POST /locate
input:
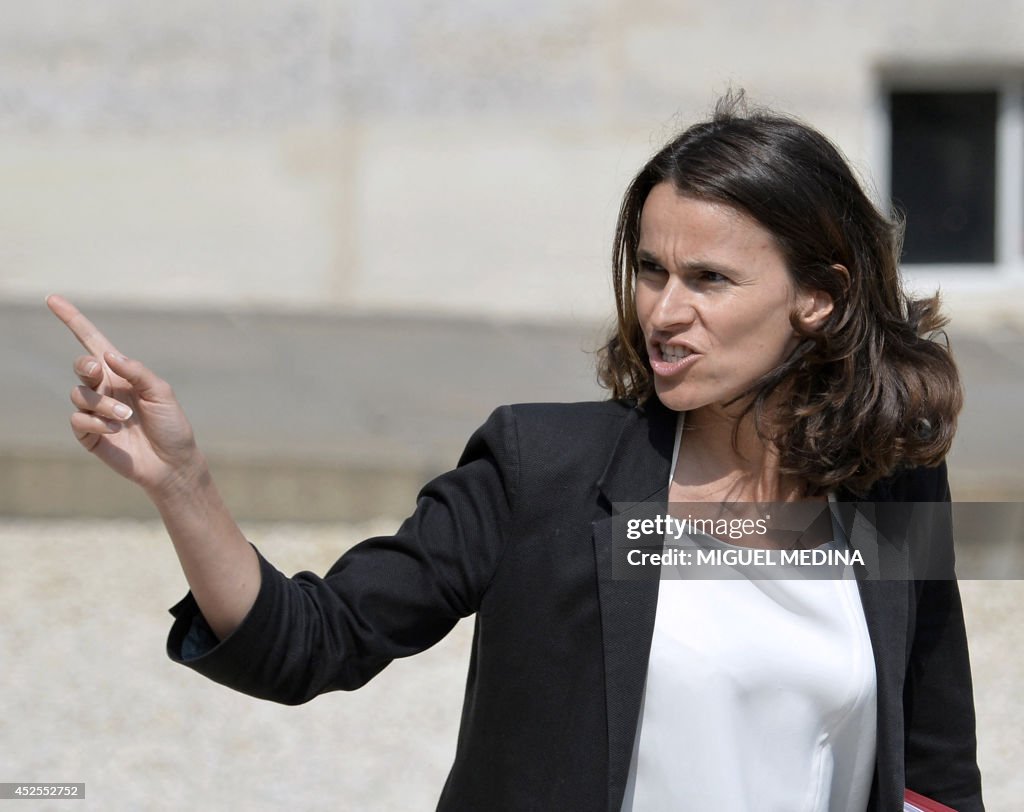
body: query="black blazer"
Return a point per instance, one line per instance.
(520, 534)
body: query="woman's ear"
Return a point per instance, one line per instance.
(816, 308)
(813, 307)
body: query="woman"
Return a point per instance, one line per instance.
(764, 352)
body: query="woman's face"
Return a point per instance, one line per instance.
(714, 298)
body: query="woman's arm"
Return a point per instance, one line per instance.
(130, 419)
(938, 699)
(388, 597)
(938, 703)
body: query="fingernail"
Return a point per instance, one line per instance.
(117, 356)
(91, 367)
(122, 411)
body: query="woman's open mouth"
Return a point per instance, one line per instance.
(669, 359)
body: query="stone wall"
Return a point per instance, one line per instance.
(446, 156)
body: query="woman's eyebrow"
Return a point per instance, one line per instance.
(643, 255)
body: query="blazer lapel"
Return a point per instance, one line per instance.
(637, 471)
(884, 593)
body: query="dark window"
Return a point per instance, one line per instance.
(943, 174)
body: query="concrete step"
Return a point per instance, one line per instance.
(327, 416)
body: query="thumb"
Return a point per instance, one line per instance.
(145, 383)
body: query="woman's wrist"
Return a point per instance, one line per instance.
(182, 484)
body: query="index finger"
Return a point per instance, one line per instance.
(84, 330)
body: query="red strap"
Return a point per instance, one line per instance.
(916, 802)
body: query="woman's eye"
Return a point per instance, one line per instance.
(649, 268)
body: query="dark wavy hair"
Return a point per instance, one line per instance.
(874, 388)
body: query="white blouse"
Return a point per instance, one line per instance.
(760, 695)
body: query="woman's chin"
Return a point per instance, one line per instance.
(675, 400)
(696, 407)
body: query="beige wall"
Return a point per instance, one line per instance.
(445, 157)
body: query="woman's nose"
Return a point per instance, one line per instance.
(674, 308)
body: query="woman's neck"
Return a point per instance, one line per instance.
(711, 467)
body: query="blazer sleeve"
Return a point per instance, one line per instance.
(938, 698)
(387, 597)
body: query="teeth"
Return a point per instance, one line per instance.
(674, 353)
